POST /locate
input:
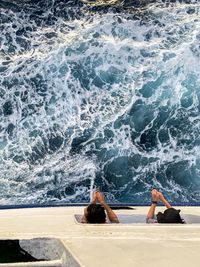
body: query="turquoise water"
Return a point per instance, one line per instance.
(99, 95)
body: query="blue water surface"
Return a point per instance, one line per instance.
(99, 94)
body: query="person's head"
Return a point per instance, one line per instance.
(170, 215)
(95, 213)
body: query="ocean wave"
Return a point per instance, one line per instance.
(104, 97)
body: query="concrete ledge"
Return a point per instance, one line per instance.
(56, 263)
(119, 245)
(51, 250)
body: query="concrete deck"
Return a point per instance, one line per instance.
(117, 245)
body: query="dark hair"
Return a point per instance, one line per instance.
(96, 214)
(170, 215)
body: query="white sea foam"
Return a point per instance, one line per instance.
(79, 78)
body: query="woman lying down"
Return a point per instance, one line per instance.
(170, 215)
(99, 211)
(96, 213)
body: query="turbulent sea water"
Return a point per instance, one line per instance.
(99, 94)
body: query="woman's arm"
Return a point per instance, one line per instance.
(151, 212)
(111, 215)
(155, 198)
(164, 200)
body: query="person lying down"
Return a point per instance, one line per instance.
(170, 215)
(99, 213)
